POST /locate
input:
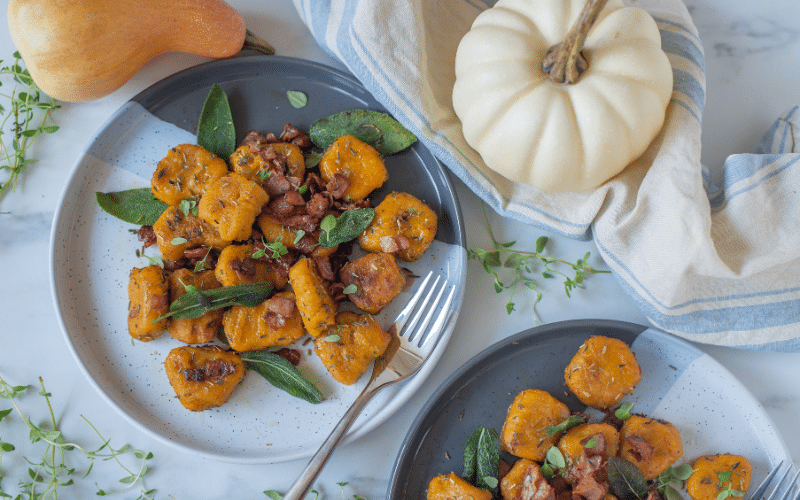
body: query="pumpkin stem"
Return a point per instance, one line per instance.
(254, 42)
(564, 62)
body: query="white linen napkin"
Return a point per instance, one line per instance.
(719, 266)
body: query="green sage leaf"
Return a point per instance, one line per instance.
(482, 458)
(136, 206)
(345, 227)
(380, 130)
(215, 129)
(282, 374)
(297, 99)
(626, 480)
(195, 304)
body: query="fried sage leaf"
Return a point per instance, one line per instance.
(625, 480)
(136, 206)
(194, 304)
(482, 458)
(282, 374)
(380, 130)
(215, 129)
(337, 230)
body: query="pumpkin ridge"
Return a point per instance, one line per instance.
(508, 103)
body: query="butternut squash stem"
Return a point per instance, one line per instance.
(254, 42)
(564, 62)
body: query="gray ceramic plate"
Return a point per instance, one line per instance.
(680, 384)
(93, 253)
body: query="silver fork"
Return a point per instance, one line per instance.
(411, 345)
(779, 491)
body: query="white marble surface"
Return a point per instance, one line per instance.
(752, 53)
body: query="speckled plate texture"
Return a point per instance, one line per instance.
(92, 254)
(680, 384)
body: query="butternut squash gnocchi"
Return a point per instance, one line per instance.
(257, 217)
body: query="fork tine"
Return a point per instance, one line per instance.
(784, 493)
(428, 308)
(438, 325)
(412, 303)
(762, 488)
(412, 325)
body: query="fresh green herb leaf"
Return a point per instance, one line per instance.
(625, 480)
(194, 305)
(337, 230)
(179, 241)
(378, 129)
(273, 495)
(351, 288)
(297, 99)
(567, 424)
(556, 458)
(724, 476)
(30, 110)
(298, 235)
(591, 443)
(278, 248)
(155, 261)
(215, 129)
(521, 264)
(624, 411)
(282, 374)
(47, 476)
(135, 206)
(333, 337)
(202, 264)
(188, 206)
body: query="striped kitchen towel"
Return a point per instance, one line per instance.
(719, 266)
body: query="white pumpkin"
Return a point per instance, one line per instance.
(560, 136)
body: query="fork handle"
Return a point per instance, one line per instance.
(303, 483)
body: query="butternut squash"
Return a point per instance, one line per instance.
(81, 50)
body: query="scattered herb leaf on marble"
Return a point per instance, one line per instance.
(59, 466)
(136, 206)
(522, 265)
(26, 119)
(282, 374)
(380, 130)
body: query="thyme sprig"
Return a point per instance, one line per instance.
(26, 119)
(53, 472)
(524, 264)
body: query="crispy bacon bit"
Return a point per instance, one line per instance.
(396, 243)
(147, 236)
(318, 205)
(641, 449)
(280, 306)
(589, 475)
(277, 184)
(274, 321)
(324, 268)
(534, 486)
(291, 355)
(213, 371)
(338, 185)
(286, 204)
(244, 267)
